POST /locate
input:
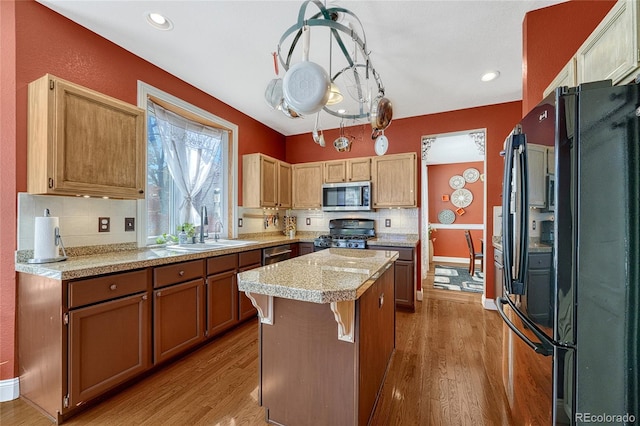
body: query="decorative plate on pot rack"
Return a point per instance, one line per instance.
(471, 175)
(446, 216)
(461, 197)
(456, 182)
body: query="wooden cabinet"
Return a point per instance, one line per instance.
(405, 272)
(81, 142)
(394, 180)
(307, 185)
(266, 182)
(609, 53)
(222, 294)
(179, 308)
(248, 260)
(351, 170)
(78, 339)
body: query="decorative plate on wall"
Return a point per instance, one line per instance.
(456, 182)
(446, 216)
(461, 197)
(471, 175)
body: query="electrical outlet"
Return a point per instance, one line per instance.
(240, 223)
(387, 223)
(104, 224)
(308, 222)
(129, 224)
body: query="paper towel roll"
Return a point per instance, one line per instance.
(44, 244)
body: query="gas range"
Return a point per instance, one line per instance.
(347, 233)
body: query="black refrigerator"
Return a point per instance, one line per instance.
(577, 316)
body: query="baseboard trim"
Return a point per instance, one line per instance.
(489, 304)
(9, 389)
(446, 259)
(419, 295)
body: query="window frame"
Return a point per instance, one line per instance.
(146, 91)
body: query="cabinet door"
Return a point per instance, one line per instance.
(394, 180)
(359, 169)
(611, 51)
(178, 318)
(284, 184)
(335, 171)
(108, 344)
(537, 156)
(82, 142)
(566, 77)
(222, 302)
(268, 182)
(305, 248)
(405, 291)
(307, 185)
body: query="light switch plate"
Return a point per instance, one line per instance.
(104, 224)
(240, 223)
(387, 223)
(308, 222)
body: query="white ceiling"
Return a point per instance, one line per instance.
(429, 54)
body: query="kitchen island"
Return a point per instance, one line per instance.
(327, 333)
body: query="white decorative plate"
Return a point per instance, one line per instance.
(461, 197)
(471, 175)
(456, 182)
(446, 216)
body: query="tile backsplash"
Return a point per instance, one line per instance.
(78, 219)
(402, 221)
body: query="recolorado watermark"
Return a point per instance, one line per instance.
(605, 418)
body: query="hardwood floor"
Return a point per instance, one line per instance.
(446, 370)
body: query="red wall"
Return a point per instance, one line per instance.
(551, 36)
(451, 242)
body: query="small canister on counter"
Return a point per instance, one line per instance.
(290, 224)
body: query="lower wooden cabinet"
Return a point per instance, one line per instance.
(305, 248)
(178, 319)
(405, 272)
(108, 344)
(247, 260)
(222, 302)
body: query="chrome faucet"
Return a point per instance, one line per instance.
(204, 220)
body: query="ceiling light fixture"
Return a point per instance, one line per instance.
(159, 21)
(355, 85)
(490, 76)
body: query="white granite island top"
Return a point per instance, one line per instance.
(332, 275)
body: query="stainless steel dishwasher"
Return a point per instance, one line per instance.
(275, 254)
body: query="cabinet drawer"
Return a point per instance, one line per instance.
(249, 258)
(224, 263)
(93, 290)
(539, 260)
(404, 253)
(177, 273)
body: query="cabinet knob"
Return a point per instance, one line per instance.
(381, 300)
(113, 287)
(140, 191)
(144, 297)
(158, 294)
(181, 273)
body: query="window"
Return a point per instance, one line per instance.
(190, 157)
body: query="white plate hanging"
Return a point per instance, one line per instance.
(446, 216)
(471, 175)
(461, 197)
(456, 182)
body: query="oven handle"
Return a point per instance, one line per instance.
(277, 254)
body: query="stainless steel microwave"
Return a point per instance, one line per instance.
(348, 196)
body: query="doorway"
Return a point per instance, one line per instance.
(453, 199)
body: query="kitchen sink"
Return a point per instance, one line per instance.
(210, 245)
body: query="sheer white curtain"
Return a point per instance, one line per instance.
(190, 151)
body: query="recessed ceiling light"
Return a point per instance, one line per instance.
(159, 21)
(489, 76)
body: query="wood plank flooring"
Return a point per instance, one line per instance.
(446, 370)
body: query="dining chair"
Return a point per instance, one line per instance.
(473, 255)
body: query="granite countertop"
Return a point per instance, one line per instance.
(104, 262)
(394, 240)
(331, 275)
(535, 246)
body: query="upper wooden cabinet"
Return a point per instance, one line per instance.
(81, 142)
(307, 185)
(266, 182)
(609, 53)
(394, 180)
(352, 170)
